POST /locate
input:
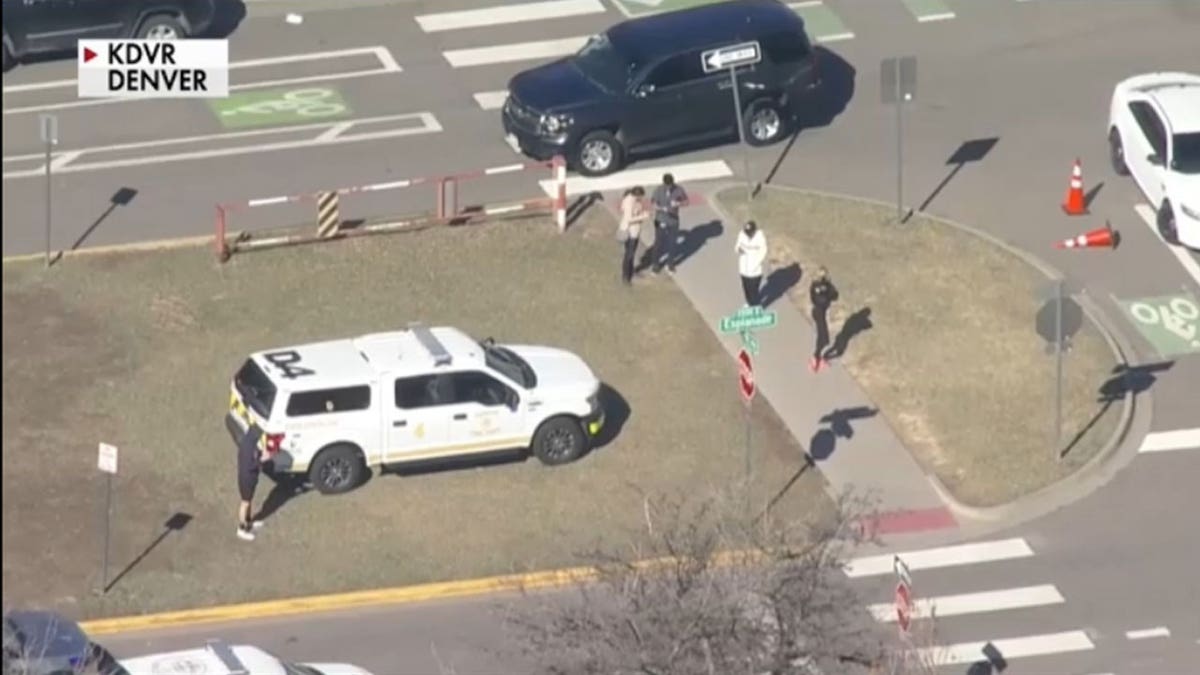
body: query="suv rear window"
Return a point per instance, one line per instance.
(256, 389)
(321, 401)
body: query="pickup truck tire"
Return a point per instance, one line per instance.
(764, 121)
(161, 27)
(1166, 223)
(560, 440)
(1116, 153)
(599, 153)
(337, 469)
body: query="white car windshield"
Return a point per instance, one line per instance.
(1187, 153)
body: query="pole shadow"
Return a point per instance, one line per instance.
(175, 523)
(855, 324)
(580, 205)
(824, 441)
(969, 152)
(120, 198)
(1124, 380)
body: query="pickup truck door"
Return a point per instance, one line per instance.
(416, 419)
(486, 414)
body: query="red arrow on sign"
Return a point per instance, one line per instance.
(88, 54)
(903, 606)
(746, 375)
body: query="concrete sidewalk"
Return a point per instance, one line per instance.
(827, 412)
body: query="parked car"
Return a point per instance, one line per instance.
(46, 643)
(330, 409)
(40, 26)
(641, 86)
(218, 658)
(1154, 136)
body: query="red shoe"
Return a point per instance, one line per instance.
(814, 364)
(822, 363)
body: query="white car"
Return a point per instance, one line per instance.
(329, 410)
(1154, 135)
(218, 658)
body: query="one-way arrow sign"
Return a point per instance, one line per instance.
(744, 54)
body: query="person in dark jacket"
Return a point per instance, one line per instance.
(667, 199)
(822, 293)
(251, 453)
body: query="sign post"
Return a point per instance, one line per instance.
(1057, 321)
(898, 80)
(903, 599)
(49, 129)
(107, 463)
(734, 57)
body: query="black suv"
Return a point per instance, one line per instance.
(641, 86)
(41, 26)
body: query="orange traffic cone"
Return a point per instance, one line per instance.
(1105, 237)
(1074, 204)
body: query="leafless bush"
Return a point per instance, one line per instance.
(706, 590)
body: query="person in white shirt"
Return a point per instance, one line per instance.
(629, 230)
(752, 254)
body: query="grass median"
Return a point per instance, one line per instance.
(137, 349)
(938, 328)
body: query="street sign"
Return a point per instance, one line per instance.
(733, 56)
(903, 606)
(748, 318)
(107, 458)
(898, 79)
(749, 342)
(49, 127)
(746, 383)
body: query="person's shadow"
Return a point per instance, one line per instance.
(779, 282)
(854, 324)
(690, 240)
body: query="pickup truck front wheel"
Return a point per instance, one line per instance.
(560, 440)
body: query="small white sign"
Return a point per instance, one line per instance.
(744, 54)
(153, 68)
(902, 573)
(107, 458)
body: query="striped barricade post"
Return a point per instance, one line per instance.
(328, 220)
(559, 166)
(220, 241)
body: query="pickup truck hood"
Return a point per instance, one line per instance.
(337, 669)
(557, 86)
(558, 370)
(1183, 188)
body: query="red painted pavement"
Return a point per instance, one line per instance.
(906, 521)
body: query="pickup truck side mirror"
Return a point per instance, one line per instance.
(1155, 159)
(513, 400)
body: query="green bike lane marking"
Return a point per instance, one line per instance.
(1170, 323)
(929, 10)
(278, 107)
(822, 23)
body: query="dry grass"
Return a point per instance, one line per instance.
(137, 349)
(952, 359)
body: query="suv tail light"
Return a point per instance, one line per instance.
(274, 443)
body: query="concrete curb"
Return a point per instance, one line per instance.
(1077, 484)
(338, 601)
(156, 245)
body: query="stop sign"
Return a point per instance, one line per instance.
(746, 376)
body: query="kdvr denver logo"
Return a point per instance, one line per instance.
(153, 69)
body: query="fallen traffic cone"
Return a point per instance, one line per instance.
(1074, 204)
(1105, 237)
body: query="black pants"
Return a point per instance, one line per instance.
(630, 247)
(752, 289)
(821, 321)
(666, 234)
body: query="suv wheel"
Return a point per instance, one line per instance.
(1116, 153)
(559, 440)
(337, 469)
(764, 123)
(599, 153)
(1166, 223)
(161, 27)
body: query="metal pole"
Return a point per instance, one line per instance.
(49, 145)
(1058, 357)
(749, 464)
(107, 531)
(737, 110)
(899, 146)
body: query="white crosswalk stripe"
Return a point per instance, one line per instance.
(518, 51)
(508, 14)
(1166, 441)
(995, 618)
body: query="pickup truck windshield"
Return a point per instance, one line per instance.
(1187, 153)
(508, 363)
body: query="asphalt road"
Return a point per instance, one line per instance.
(1035, 76)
